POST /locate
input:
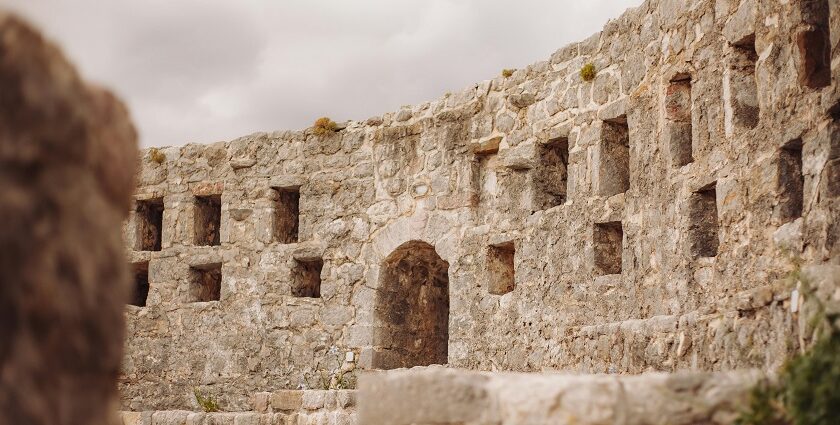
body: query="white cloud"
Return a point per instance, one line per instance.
(210, 70)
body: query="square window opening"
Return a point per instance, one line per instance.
(703, 225)
(500, 264)
(149, 215)
(208, 219)
(141, 284)
(608, 239)
(306, 278)
(552, 173)
(286, 214)
(205, 282)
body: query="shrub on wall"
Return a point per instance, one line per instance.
(157, 156)
(808, 389)
(323, 126)
(588, 72)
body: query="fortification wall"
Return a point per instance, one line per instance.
(644, 220)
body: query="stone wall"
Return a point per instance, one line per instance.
(644, 220)
(445, 396)
(286, 407)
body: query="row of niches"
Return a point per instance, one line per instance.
(613, 171)
(703, 225)
(205, 281)
(208, 217)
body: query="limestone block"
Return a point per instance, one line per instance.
(345, 398)
(247, 419)
(741, 25)
(262, 402)
(170, 417)
(288, 400)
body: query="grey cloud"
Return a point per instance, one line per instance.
(210, 70)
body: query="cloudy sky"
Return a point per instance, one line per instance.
(210, 70)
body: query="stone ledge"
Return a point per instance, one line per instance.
(304, 400)
(181, 417)
(448, 396)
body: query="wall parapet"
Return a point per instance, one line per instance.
(442, 396)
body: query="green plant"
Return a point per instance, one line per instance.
(588, 72)
(807, 391)
(765, 407)
(507, 72)
(207, 403)
(157, 156)
(812, 384)
(323, 126)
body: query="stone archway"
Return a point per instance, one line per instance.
(412, 308)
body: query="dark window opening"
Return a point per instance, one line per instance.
(608, 240)
(208, 219)
(150, 224)
(813, 41)
(552, 174)
(614, 162)
(790, 183)
(141, 285)
(306, 278)
(411, 311)
(286, 215)
(703, 226)
(501, 268)
(205, 283)
(678, 125)
(742, 84)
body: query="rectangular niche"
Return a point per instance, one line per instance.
(500, 268)
(678, 120)
(608, 239)
(485, 181)
(790, 183)
(306, 278)
(552, 174)
(208, 219)
(743, 92)
(286, 214)
(141, 284)
(149, 216)
(703, 225)
(813, 40)
(205, 282)
(614, 158)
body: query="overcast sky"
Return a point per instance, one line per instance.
(210, 70)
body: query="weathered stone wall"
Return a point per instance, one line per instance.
(648, 217)
(285, 407)
(445, 396)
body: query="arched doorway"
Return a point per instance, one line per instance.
(412, 308)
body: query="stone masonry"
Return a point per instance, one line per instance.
(646, 220)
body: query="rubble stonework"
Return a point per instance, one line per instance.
(642, 221)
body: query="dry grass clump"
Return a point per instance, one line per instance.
(157, 156)
(207, 403)
(323, 126)
(588, 72)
